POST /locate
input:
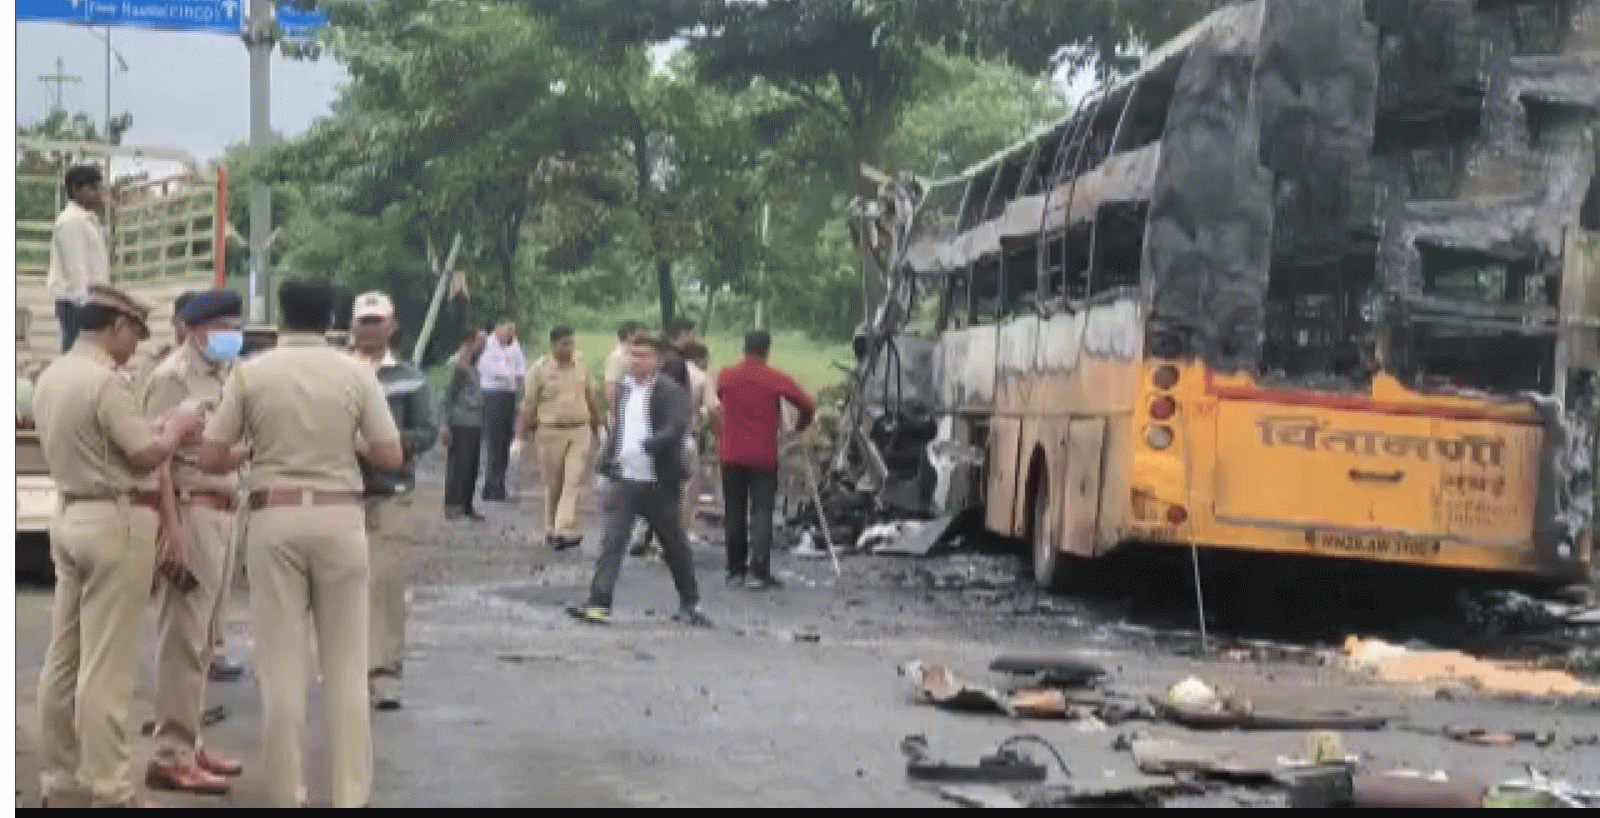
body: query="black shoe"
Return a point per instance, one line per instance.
(735, 579)
(452, 513)
(222, 670)
(495, 496)
(474, 516)
(563, 543)
(693, 616)
(763, 582)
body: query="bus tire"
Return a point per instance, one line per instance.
(1049, 564)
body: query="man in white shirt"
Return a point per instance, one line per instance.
(78, 255)
(644, 459)
(501, 369)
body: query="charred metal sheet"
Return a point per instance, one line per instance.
(1209, 234)
(1123, 177)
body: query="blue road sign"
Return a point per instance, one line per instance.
(297, 25)
(213, 16)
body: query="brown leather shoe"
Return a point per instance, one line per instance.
(184, 778)
(217, 764)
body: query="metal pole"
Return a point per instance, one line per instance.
(761, 273)
(1199, 599)
(260, 47)
(445, 274)
(107, 138)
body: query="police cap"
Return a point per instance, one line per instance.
(208, 305)
(114, 299)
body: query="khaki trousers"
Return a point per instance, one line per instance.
(103, 552)
(185, 626)
(312, 560)
(388, 521)
(563, 459)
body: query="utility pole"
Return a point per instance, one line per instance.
(108, 85)
(761, 272)
(59, 79)
(258, 39)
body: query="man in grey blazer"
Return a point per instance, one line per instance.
(643, 459)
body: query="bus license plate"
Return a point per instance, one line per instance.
(1376, 545)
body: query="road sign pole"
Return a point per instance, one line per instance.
(260, 45)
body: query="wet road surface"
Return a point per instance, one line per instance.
(792, 700)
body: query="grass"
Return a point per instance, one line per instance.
(809, 362)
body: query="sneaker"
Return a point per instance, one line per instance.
(592, 614)
(638, 549)
(693, 617)
(763, 582)
(735, 579)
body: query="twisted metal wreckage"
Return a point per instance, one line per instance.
(1312, 192)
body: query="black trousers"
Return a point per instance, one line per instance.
(67, 320)
(499, 422)
(747, 495)
(461, 466)
(659, 505)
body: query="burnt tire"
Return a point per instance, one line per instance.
(1050, 566)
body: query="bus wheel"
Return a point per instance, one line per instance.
(1049, 564)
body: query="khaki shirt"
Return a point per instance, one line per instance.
(183, 375)
(78, 254)
(559, 395)
(88, 421)
(302, 403)
(702, 395)
(616, 361)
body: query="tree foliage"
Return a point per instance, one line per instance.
(582, 176)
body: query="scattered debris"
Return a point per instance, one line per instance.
(918, 539)
(1064, 671)
(1394, 663)
(977, 795)
(1004, 765)
(941, 687)
(1488, 738)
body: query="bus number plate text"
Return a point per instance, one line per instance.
(1370, 545)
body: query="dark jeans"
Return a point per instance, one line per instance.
(67, 319)
(658, 505)
(461, 466)
(499, 422)
(747, 495)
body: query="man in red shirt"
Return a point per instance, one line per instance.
(748, 449)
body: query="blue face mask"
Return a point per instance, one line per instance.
(223, 345)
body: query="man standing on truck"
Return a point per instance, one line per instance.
(102, 452)
(388, 492)
(78, 255)
(194, 564)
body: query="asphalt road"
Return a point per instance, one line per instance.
(792, 701)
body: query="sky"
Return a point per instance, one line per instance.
(184, 90)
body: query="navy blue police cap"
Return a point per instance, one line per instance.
(208, 305)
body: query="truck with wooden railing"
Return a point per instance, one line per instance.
(165, 226)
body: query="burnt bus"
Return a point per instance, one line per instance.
(1321, 277)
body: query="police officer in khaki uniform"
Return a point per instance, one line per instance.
(102, 454)
(561, 408)
(310, 410)
(194, 566)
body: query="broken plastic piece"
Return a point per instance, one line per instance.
(1051, 670)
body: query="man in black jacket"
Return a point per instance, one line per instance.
(643, 457)
(388, 493)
